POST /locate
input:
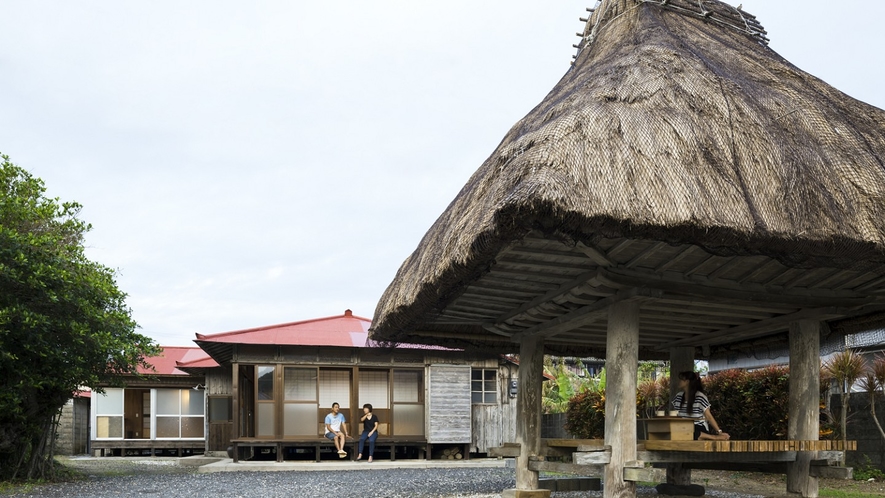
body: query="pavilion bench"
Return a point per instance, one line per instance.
(590, 455)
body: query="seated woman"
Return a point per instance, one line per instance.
(693, 403)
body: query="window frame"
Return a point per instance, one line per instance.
(484, 391)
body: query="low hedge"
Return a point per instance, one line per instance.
(747, 405)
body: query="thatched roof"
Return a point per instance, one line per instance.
(673, 127)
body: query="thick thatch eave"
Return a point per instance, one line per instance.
(668, 127)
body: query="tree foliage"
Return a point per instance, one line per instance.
(64, 324)
(751, 404)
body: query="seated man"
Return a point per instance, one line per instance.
(336, 429)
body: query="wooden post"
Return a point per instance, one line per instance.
(528, 405)
(621, 365)
(235, 400)
(681, 360)
(804, 409)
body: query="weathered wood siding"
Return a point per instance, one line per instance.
(218, 382)
(448, 410)
(494, 425)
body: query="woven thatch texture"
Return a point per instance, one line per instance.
(672, 128)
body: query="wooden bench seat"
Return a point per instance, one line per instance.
(551, 447)
(744, 446)
(320, 442)
(590, 455)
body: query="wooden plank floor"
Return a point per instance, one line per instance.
(750, 446)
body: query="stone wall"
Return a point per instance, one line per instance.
(72, 437)
(862, 428)
(553, 426)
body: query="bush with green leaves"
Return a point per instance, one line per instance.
(585, 417)
(748, 405)
(751, 405)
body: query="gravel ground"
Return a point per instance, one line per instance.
(166, 478)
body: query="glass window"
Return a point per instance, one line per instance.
(266, 419)
(406, 386)
(109, 414)
(374, 388)
(220, 409)
(180, 413)
(109, 403)
(335, 388)
(484, 385)
(408, 420)
(192, 402)
(168, 427)
(108, 427)
(191, 427)
(300, 419)
(265, 383)
(168, 402)
(300, 384)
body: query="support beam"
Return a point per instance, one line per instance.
(621, 361)
(681, 360)
(589, 314)
(761, 327)
(804, 402)
(727, 290)
(528, 406)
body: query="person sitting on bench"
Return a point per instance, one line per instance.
(693, 403)
(370, 431)
(336, 429)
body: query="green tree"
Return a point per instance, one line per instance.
(64, 324)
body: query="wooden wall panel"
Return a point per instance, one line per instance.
(449, 404)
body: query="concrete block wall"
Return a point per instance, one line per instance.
(72, 434)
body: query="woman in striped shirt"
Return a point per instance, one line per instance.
(693, 403)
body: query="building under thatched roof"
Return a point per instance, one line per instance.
(683, 191)
(678, 153)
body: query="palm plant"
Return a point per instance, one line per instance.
(873, 383)
(845, 368)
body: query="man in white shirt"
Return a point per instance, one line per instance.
(336, 429)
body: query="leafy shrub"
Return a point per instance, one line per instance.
(868, 471)
(585, 417)
(747, 405)
(751, 405)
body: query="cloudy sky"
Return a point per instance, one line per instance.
(252, 163)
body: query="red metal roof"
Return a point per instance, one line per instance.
(166, 363)
(345, 330)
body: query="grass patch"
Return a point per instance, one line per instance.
(842, 493)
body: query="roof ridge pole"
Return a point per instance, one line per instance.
(528, 419)
(804, 408)
(621, 365)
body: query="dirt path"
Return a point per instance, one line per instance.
(775, 484)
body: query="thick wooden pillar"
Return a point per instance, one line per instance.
(528, 406)
(804, 402)
(681, 360)
(621, 366)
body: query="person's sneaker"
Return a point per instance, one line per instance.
(342, 453)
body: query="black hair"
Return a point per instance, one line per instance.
(369, 406)
(695, 385)
(335, 403)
